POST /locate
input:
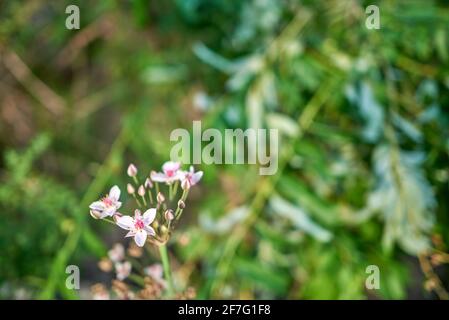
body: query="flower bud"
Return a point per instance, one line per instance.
(105, 265)
(134, 250)
(160, 198)
(164, 230)
(190, 293)
(184, 239)
(181, 204)
(169, 216)
(185, 184)
(130, 188)
(437, 259)
(95, 214)
(99, 292)
(132, 170)
(141, 191)
(430, 284)
(116, 216)
(148, 183)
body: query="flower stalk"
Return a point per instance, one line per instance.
(166, 266)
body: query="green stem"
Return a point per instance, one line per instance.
(144, 201)
(166, 266)
(175, 188)
(137, 200)
(138, 280)
(170, 192)
(150, 196)
(110, 221)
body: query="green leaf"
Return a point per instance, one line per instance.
(299, 219)
(262, 275)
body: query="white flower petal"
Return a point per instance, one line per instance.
(158, 177)
(137, 215)
(127, 266)
(125, 222)
(171, 166)
(103, 214)
(109, 212)
(197, 177)
(131, 233)
(117, 253)
(155, 271)
(117, 205)
(114, 193)
(140, 237)
(123, 270)
(148, 216)
(150, 231)
(97, 206)
(178, 176)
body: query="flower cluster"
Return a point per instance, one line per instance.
(147, 280)
(152, 222)
(156, 221)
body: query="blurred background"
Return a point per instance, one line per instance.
(363, 161)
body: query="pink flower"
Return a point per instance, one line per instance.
(170, 173)
(107, 206)
(99, 292)
(117, 253)
(190, 178)
(122, 270)
(155, 271)
(139, 226)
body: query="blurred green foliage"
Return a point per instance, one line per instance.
(363, 172)
(36, 212)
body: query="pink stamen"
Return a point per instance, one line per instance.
(139, 224)
(107, 201)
